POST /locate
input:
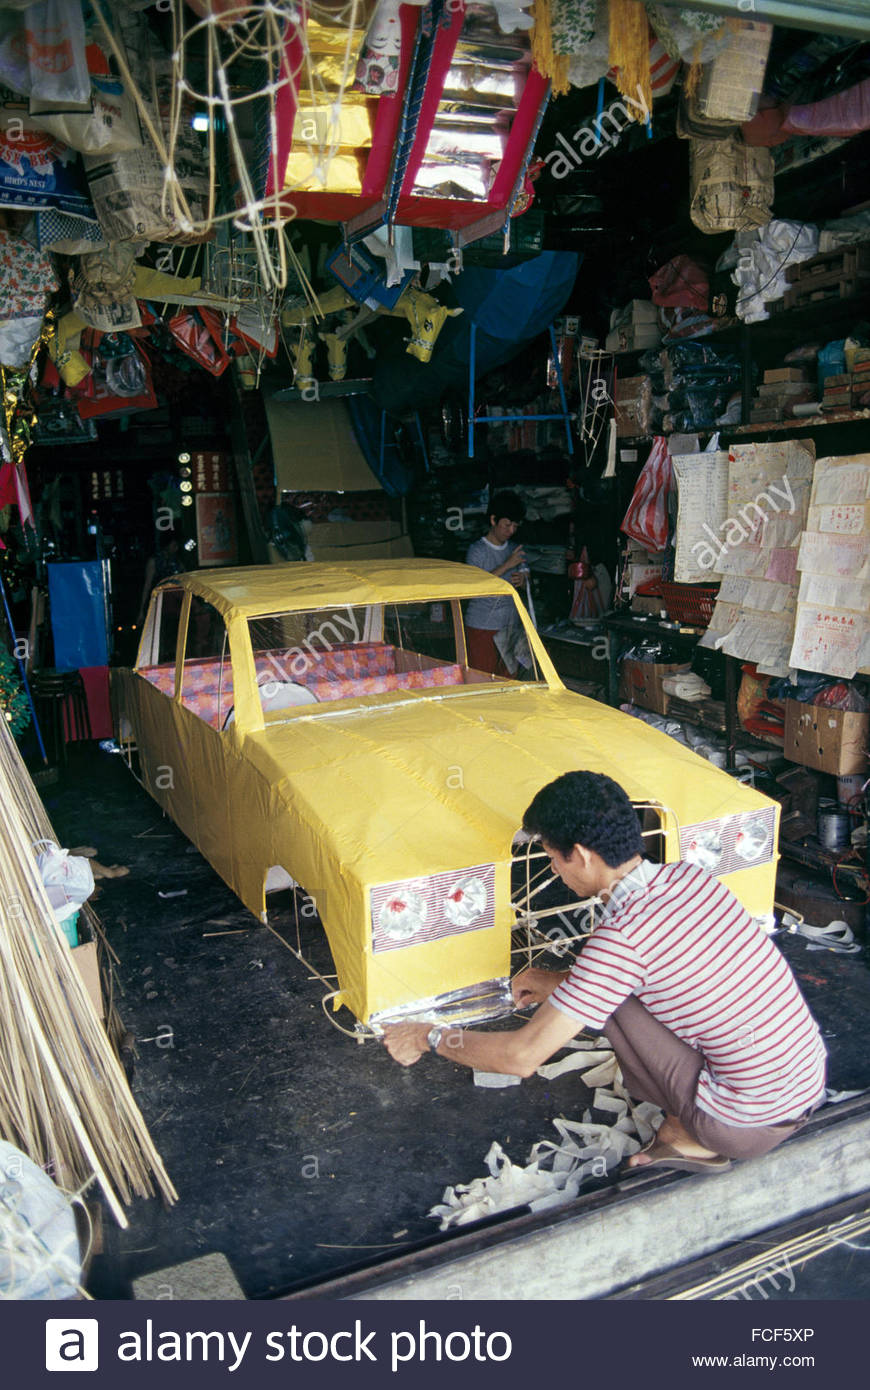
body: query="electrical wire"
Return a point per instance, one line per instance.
(744, 299)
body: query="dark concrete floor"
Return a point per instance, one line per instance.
(296, 1151)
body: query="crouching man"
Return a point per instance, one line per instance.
(702, 1011)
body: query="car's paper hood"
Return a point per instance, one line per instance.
(419, 783)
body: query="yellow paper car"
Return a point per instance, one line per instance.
(321, 721)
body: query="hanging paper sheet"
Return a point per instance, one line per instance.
(832, 631)
(702, 507)
(767, 500)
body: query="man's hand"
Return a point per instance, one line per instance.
(407, 1042)
(533, 986)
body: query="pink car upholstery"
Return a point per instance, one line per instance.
(343, 672)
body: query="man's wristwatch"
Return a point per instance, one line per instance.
(434, 1036)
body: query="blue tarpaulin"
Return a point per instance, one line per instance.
(510, 308)
(78, 594)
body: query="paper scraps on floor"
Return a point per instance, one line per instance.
(555, 1171)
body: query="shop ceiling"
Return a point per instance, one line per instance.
(838, 18)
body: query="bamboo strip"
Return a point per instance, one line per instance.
(64, 1099)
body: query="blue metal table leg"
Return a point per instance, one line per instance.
(471, 367)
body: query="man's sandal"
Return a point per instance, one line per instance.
(666, 1156)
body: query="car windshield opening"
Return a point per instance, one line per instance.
(341, 653)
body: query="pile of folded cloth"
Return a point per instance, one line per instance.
(686, 685)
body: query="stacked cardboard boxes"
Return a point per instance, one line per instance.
(633, 406)
(781, 390)
(634, 326)
(640, 683)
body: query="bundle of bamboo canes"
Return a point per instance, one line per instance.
(64, 1099)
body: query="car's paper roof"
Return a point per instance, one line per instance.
(261, 589)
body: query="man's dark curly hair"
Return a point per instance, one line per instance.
(588, 809)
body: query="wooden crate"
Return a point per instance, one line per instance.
(836, 274)
(845, 262)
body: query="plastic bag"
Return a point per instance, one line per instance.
(762, 257)
(39, 1254)
(116, 386)
(844, 114)
(42, 52)
(646, 520)
(199, 333)
(68, 879)
(682, 282)
(18, 338)
(843, 696)
(108, 125)
(39, 171)
(589, 603)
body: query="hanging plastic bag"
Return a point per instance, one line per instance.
(199, 333)
(109, 124)
(646, 520)
(42, 52)
(119, 383)
(68, 879)
(589, 603)
(682, 283)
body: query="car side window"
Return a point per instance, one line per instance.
(160, 639)
(207, 677)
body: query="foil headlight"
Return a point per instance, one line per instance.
(753, 840)
(466, 901)
(705, 849)
(403, 914)
(417, 910)
(735, 842)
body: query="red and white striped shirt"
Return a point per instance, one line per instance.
(679, 940)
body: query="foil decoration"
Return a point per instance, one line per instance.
(338, 173)
(332, 128)
(466, 901)
(480, 1003)
(474, 85)
(344, 124)
(481, 93)
(705, 849)
(403, 914)
(752, 840)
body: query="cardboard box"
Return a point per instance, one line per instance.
(647, 603)
(640, 683)
(784, 388)
(359, 540)
(629, 338)
(633, 406)
(785, 374)
(830, 740)
(637, 311)
(85, 958)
